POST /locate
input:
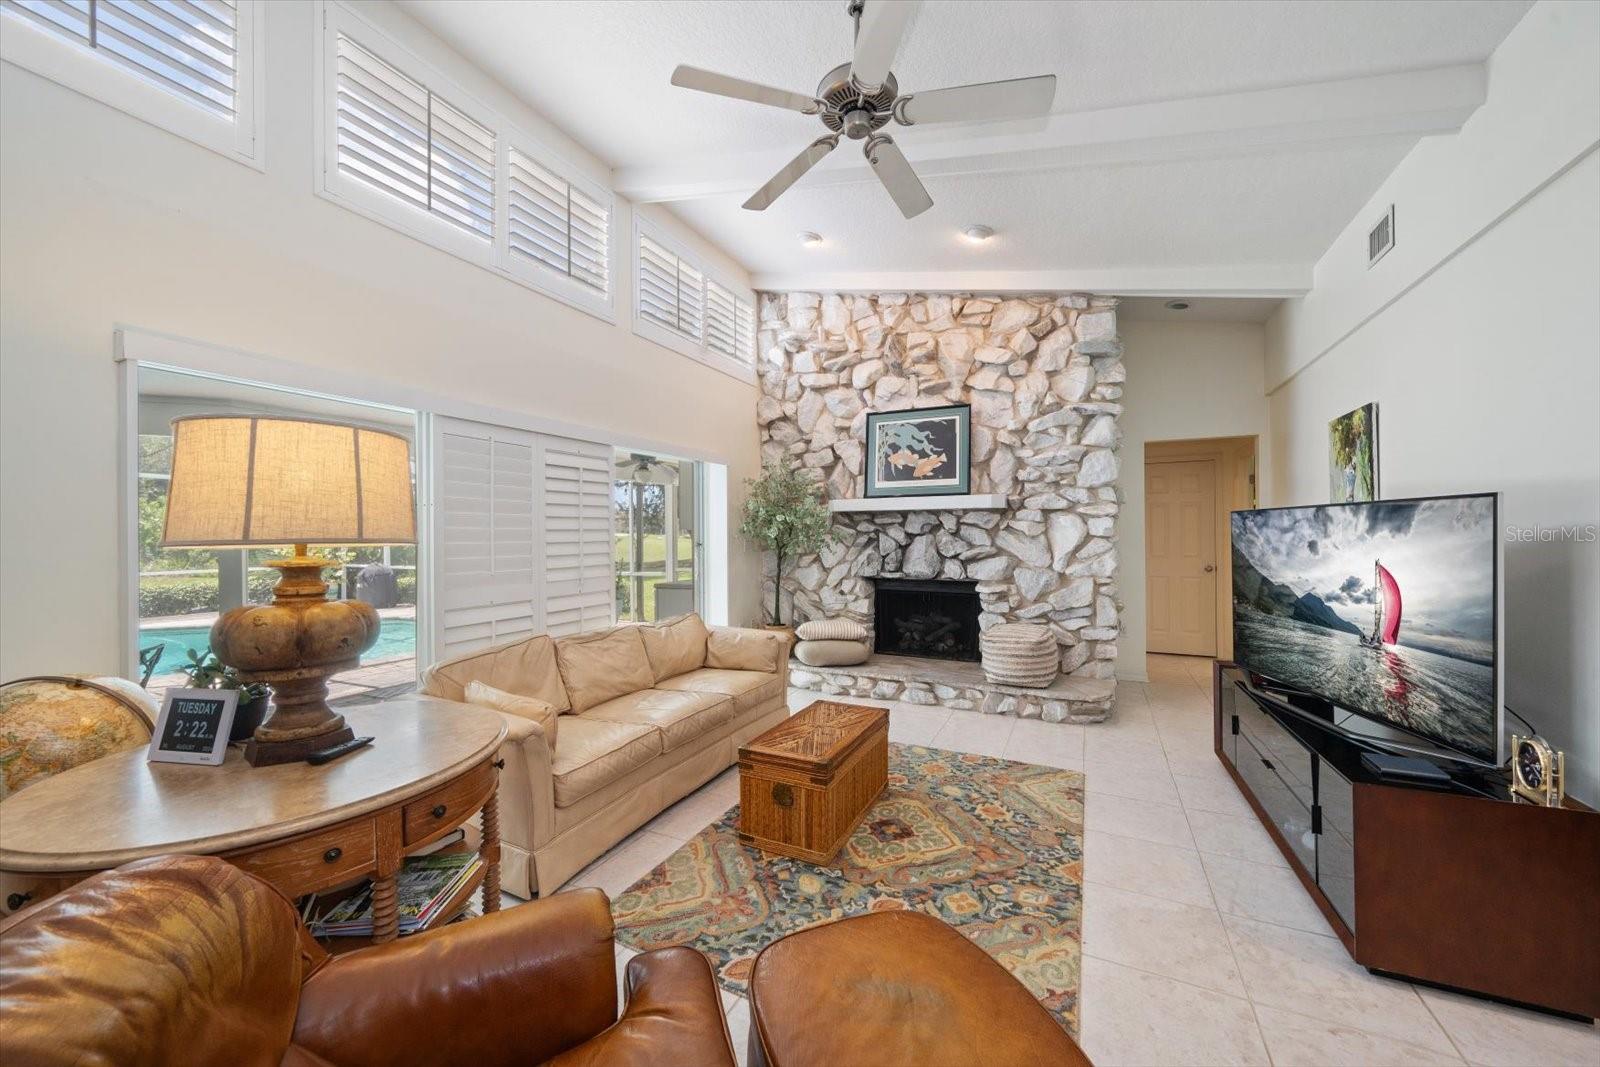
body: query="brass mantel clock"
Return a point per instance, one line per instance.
(1538, 772)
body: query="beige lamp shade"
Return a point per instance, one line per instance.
(259, 480)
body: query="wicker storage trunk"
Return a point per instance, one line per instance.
(805, 783)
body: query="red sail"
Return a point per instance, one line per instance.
(1389, 589)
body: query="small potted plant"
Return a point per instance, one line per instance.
(784, 514)
(206, 671)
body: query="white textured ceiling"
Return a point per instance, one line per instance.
(599, 69)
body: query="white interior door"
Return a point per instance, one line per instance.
(1180, 507)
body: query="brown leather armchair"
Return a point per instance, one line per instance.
(188, 960)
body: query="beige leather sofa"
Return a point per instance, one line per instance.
(648, 714)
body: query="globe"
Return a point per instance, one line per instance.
(49, 725)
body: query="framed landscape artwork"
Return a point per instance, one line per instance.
(923, 452)
(1353, 456)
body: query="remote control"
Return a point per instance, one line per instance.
(327, 755)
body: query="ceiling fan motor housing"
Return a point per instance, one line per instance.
(851, 112)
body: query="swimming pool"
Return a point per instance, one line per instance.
(397, 638)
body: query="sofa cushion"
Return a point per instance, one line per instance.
(593, 752)
(747, 650)
(831, 630)
(832, 653)
(526, 667)
(675, 646)
(514, 704)
(681, 716)
(597, 667)
(747, 688)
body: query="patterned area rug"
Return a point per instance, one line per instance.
(992, 847)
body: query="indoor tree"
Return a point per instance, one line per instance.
(785, 514)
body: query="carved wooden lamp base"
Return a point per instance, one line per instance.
(295, 644)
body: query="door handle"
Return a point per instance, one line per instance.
(1209, 568)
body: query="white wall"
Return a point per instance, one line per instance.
(1481, 346)
(107, 221)
(1185, 380)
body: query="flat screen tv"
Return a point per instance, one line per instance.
(1388, 609)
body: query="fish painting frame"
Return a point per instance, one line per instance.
(919, 452)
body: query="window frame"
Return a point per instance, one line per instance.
(695, 348)
(493, 253)
(76, 66)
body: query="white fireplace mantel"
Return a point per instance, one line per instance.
(964, 502)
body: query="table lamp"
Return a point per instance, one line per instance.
(248, 480)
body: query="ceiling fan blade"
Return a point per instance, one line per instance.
(1018, 98)
(707, 81)
(879, 28)
(889, 163)
(763, 197)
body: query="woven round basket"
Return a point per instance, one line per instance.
(1020, 653)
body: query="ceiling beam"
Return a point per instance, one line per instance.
(1247, 280)
(1351, 110)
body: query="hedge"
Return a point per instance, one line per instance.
(191, 594)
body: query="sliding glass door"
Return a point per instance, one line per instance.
(657, 543)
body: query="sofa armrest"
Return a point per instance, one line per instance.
(673, 1015)
(527, 784)
(514, 987)
(747, 649)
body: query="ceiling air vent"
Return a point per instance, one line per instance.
(1381, 237)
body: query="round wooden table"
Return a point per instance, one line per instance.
(431, 767)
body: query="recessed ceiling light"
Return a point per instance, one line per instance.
(1177, 305)
(978, 234)
(810, 239)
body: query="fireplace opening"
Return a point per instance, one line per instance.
(916, 618)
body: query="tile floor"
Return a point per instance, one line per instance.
(1199, 946)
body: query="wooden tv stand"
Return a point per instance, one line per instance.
(1442, 886)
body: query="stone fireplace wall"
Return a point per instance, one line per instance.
(1043, 375)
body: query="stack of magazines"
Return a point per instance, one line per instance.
(426, 885)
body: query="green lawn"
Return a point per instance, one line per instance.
(655, 555)
(655, 549)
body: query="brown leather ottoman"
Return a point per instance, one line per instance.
(895, 989)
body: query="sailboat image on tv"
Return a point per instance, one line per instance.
(1385, 609)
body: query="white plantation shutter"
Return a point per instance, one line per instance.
(658, 284)
(691, 298)
(579, 578)
(730, 324)
(744, 331)
(521, 535)
(397, 136)
(187, 47)
(591, 240)
(703, 318)
(485, 536)
(461, 152)
(555, 224)
(721, 310)
(671, 290)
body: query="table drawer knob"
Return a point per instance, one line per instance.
(332, 855)
(439, 810)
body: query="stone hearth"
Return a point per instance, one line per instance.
(947, 683)
(1043, 374)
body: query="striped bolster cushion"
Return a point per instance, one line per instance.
(831, 630)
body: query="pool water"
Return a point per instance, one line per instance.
(398, 637)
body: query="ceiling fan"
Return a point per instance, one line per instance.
(642, 469)
(859, 98)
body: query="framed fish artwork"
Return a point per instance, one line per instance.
(922, 452)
